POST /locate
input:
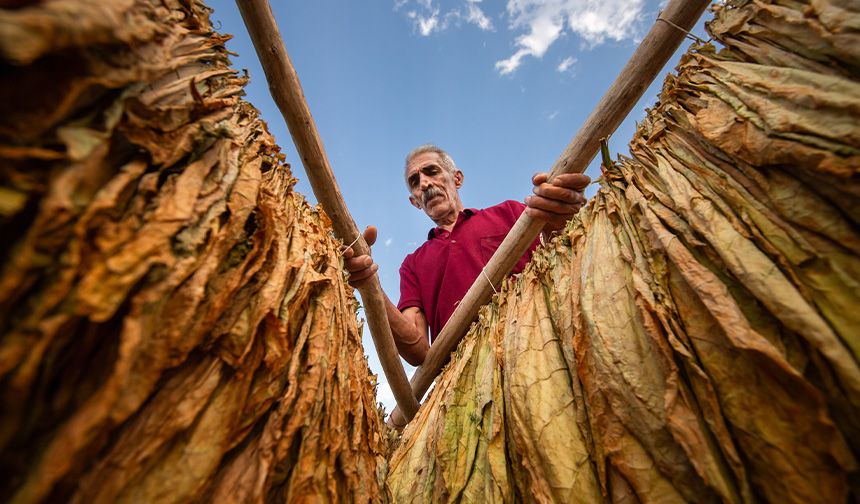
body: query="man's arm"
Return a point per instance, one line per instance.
(410, 332)
(409, 328)
(555, 203)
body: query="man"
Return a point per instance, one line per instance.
(435, 277)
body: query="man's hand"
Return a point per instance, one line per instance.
(361, 268)
(555, 203)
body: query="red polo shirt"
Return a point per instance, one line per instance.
(437, 275)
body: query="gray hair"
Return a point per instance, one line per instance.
(444, 159)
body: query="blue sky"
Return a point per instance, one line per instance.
(502, 86)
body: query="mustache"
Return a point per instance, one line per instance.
(430, 193)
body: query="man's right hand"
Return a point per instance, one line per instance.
(361, 268)
(409, 328)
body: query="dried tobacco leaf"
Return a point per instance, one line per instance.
(175, 325)
(691, 337)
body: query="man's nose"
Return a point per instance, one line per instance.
(424, 182)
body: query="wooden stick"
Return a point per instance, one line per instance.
(287, 92)
(654, 51)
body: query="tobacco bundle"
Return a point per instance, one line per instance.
(174, 324)
(692, 335)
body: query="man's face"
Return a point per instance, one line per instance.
(432, 187)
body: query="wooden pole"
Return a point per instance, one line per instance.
(652, 54)
(288, 95)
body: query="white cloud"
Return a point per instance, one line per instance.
(544, 30)
(509, 65)
(427, 17)
(594, 21)
(552, 115)
(425, 24)
(476, 16)
(565, 65)
(388, 242)
(539, 23)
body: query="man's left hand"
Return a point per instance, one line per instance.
(556, 202)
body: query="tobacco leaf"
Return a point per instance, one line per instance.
(175, 322)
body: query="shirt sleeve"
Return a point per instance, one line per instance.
(410, 291)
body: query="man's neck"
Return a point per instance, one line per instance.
(448, 220)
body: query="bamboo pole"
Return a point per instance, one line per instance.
(288, 95)
(652, 54)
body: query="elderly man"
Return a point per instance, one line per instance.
(435, 277)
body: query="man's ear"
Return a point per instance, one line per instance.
(458, 178)
(414, 202)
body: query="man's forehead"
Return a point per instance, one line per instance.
(422, 160)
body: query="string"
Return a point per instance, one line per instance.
(688, 34)
(484, 271)
(351, 244)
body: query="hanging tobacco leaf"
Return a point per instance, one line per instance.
(175, 325)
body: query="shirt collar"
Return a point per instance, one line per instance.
(463, 215)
